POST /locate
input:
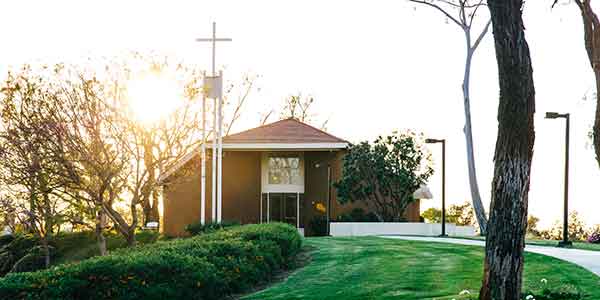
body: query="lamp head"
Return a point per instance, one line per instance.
(432, 141)
(552, 115)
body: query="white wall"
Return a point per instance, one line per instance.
(425, 229)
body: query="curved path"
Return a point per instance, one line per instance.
(589, 260)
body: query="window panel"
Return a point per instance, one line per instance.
(284, 170)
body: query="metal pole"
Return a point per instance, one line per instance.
(328, 198)
(268, 208)
(297, 210)
(220, 157)
(203, 158)
(443, 187)
(565, 242)
(214, 167)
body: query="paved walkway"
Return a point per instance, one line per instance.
(589, 260)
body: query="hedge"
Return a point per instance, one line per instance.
(209, 266)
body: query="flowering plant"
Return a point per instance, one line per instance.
(594, 238)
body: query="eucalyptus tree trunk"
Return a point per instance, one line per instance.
(505, 241)
(468, 130)
(464, 19)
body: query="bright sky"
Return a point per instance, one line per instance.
(373, 66)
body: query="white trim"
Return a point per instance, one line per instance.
(288, 146)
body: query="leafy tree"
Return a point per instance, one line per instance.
(505, 239)
(29, 156)
(385, 174)
(461, 214)
(464, 13)
(432, 215)
(532, 226)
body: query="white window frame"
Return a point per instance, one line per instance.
(281, 188)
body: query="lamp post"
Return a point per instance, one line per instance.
(565, 242)
(443, 142)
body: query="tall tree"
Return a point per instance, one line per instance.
(505, 240)
(463, 13)
(385, 174)
(28, 156)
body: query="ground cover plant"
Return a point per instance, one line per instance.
(209, 266)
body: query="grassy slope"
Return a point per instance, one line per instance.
(550, 243)
(378, 268)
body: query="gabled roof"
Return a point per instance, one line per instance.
(287, 131)
(289, 134)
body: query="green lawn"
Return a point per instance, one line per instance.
(550, 243)
(379, 268)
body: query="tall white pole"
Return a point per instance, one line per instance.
(214, 137)
(220, 156)
(203, 158)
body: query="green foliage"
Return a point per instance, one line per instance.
(385, 174)
(532, 226)
(209, 266)
(461, 214)
(432, 215)
(357, 215)
(199, 228)
(19, 246)
(577, 229)
(32, 261)
(318, 226)
(5, 239)
(548, 291)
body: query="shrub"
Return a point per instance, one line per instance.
(199, 228)
(358, 215)
(6, 239)
(318, 225)
(594, 238)
(209, 266)
(14, 251)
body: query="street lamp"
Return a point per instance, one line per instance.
(565, 242)
(443, 142)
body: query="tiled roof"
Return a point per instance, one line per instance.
(285, 131)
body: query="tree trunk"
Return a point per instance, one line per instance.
(505, 241)
(596, 130)
(475, 195)
(100, 223)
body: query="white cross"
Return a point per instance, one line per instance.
(214, 41)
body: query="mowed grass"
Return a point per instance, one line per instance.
(379, 268)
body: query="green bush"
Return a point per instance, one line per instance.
(209, 266)
(6, 239)
(34, 260)
(358, 215)
(318, 226)
(199, 228)
(14, 251)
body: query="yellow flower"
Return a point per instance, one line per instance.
(320, 207)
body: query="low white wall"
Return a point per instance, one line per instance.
(426, 229)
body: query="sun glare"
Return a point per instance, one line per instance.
(152, 98)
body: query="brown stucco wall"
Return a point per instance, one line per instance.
(241, 192)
